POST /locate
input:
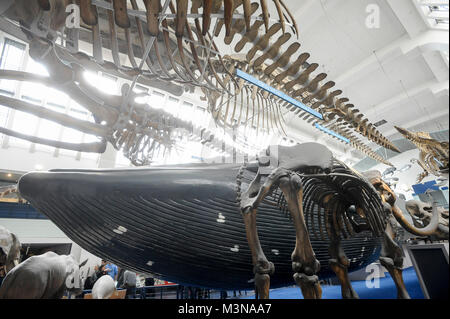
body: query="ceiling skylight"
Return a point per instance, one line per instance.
(436, 13)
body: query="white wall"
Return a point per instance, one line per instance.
(20, 159)
(35, 231)
(81, 255)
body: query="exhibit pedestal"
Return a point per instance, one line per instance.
(430, 262)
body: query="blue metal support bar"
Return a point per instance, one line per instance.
(284, 97)
(328, 131)
(281, 95)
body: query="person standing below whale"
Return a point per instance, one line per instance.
(111, 270)
(129, 283)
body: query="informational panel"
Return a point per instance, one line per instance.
(431, 265)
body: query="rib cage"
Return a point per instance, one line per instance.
(346, 187)
(183, 54)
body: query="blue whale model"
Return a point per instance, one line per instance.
(180, 223)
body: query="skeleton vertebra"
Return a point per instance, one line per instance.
(433, 157)
(177, 51)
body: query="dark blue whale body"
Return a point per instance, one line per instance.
(181, 223)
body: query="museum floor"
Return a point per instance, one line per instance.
(387, 289)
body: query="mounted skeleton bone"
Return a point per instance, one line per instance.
(307, 176)
(433, 157)
(180, 50)
(392, 255)
(11, 191)
(421, 214)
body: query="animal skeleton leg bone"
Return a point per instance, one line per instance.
(304, 263)
(392, 259)
(339, 264)
(250, 200)
(262, 268)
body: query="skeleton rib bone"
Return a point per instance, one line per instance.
(184, 55)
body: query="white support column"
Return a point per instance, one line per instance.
(108, 158)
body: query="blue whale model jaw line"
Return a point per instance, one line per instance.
(180, 223)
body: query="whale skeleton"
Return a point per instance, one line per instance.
(173, 47)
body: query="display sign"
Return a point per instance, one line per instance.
(431, 265)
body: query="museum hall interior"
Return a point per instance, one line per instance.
(224, 150)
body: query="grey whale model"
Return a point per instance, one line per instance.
(180, 223)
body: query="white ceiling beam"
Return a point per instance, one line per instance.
(301, 7)
(437, 64)
(435, 88)
(432, 17)
(433, 2)
(432, 40)
(438, 15)
(409, 15)
(419, 121)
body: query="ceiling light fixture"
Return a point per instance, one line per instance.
(405, 168)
